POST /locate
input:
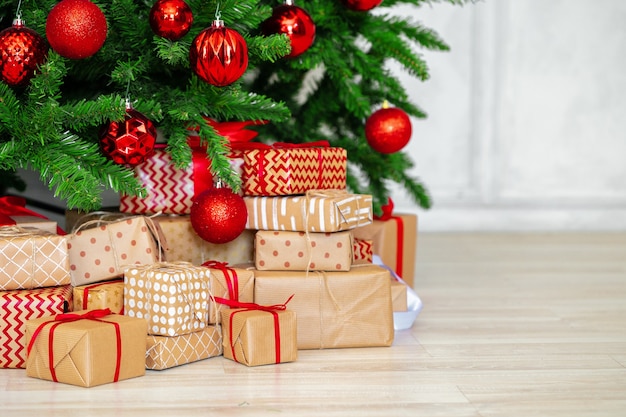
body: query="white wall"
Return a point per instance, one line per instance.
(526, 116)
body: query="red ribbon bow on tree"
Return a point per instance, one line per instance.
(15, 206)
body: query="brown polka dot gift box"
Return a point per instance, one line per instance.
(101, 253)
(300, 251)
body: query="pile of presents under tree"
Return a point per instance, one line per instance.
(138, 289)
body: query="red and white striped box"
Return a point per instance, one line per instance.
(17, 307)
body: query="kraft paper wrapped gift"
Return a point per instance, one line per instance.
(334, 309)
(256, 337)
(86, 348)
(229, 283)
(172, 297)
(32, 258)
(18, 306)
(316, 211)
(170, 189)
(165, 352)
(395, 241)
(184, 244)
(398, 296)
(101, 253)
(36, 222)
(289, 169)
(300, 251)
(106, 294)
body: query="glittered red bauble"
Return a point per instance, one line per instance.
(129, 142)
(218, 215)
(219, 55)
(21, 51)
(171, 19)
(293, 21)
(388, 130)
(361, 5)
(76, 29)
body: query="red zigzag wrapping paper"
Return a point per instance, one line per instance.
(290, 171)
(18, 306)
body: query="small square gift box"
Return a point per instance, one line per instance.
(32, 258)
(290, 169)
(19, 306)
(173, 297)
(105, 294)
(259, 335)
(103, 252)
(316, 211)
(86, 348)
(300, 251)
(228, 283)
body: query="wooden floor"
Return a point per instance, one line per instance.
(513, 325)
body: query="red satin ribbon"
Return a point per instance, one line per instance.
(252, 307)
(230, 275)
(90, 287)
(12, 206)
(388, 215)
(59, 319)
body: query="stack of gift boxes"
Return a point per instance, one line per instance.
(299, 277)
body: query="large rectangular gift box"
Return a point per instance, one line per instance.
(170, 189)
(105, 294)
(86, 348)
(165, 352)
(316, 211)
(229, 283)
(101, 253)
(172, 297)
(334, 309)
(19, 306)
(32, 258)
(300, 251)
(184, 244)
(291, 169)
(259, 337)
(395, 241)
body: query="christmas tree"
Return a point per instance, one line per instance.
(323, 85)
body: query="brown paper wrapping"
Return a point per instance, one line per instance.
(384, 234)
(249, 336)
(165, 352)
(107, 294)
(299, 251)
(32, 258)
(334, 309)
(185, 245)
(102, 252)
(36, 222)
(398, 296)
(317, 211)
(18, 306)
(219, 288)
(85, 352)
(172, 297)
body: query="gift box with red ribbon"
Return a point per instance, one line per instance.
(19, 306)
(259, 335)
(86, 348)
(106, 294)
(290, 169)
(228, 283)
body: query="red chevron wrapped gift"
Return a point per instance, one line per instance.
(362, 251)
(289, 169)
(170, 190)
(18, 306)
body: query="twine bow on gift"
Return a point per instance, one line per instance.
(59, 319)
(255, 307)
(12, 206)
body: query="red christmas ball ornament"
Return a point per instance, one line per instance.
(219, 55)
(218, 215)
(129, 142)
(76, 29)
(171, 19)
(293, 21)
(388, 129)
(361, 5)
(21, 51)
